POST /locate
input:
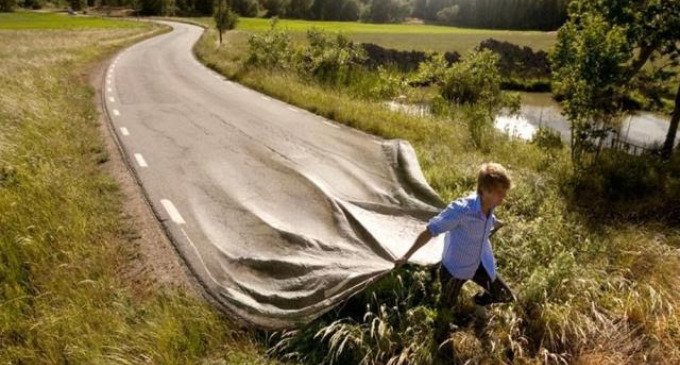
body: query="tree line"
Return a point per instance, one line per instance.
(506, 14)
(500, 14)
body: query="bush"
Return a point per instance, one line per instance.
(474, 79)
(431, 71)
(474, 85)
(272, 49)
(547, 139)
(331, 58)
(387, 85)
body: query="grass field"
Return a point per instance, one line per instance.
(66, 290)
(30, 20)
(404, 37)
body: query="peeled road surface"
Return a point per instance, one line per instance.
(279, 213)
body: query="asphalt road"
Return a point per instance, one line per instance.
(281, 214)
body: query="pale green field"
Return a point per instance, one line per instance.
(404, 36)
(31, 20)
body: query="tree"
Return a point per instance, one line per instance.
(383, 11)
(651, 28)
(7, 5)
(300, 9)
(587, 73)
(318, 9)
(77, 5)
(151, 7)
(350, 11)
(420, 9)
(244, 7)
(225, 19)
(448, 15)
(275, 7)
(136, 5)
(203, 7)
(32, 4)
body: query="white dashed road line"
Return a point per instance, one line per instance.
(124, 131)
(140, 160)
(172, 211)
(111, 99)
(116, 112)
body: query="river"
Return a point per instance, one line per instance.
(540, 110)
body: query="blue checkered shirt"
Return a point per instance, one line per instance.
(466, 242)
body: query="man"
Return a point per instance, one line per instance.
(467, 254)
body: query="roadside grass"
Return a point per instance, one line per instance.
(65, 296)
(589, 291)
(400, 36)
(32, 20)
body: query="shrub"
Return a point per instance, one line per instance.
(475, 78)
(387, 84)
(475, 85)
(271, 49)
(331, 58)
(432, 70)
(547, 139)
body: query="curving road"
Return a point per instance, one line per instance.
(279, 213)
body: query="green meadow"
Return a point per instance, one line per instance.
(29, 20)
(401, 36)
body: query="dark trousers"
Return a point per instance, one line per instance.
(495, 291)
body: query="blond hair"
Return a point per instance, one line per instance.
(492, 176)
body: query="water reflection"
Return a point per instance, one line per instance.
(540, 110)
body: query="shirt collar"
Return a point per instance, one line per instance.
(477, 205)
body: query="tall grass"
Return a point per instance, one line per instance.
(589, 290)
(64, 297)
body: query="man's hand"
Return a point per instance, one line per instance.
(400, 262)
(422, 239)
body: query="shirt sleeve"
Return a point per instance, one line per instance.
(447, 220)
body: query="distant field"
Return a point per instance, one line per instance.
(29, 20)
(406, 36)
